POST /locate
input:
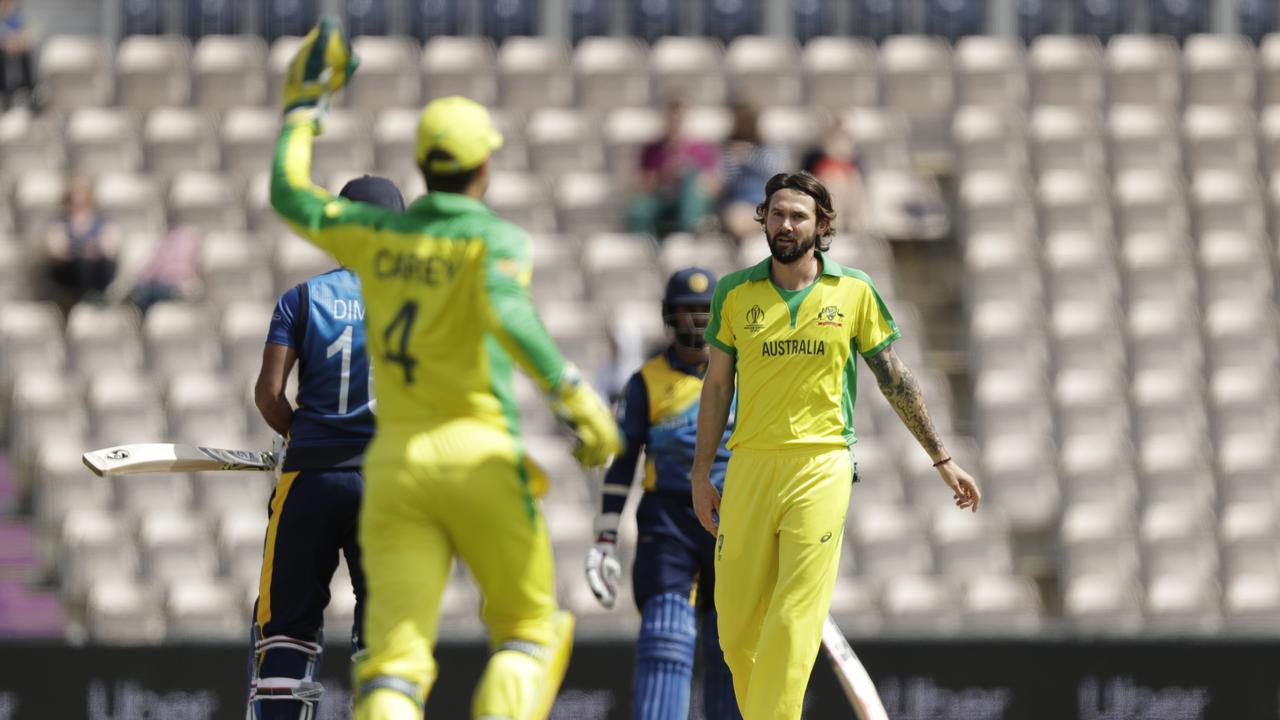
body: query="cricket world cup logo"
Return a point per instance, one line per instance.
(755, 319)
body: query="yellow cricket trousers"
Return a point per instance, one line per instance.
(781, 526)
(457, 489)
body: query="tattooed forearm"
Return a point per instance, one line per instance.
(901, 389)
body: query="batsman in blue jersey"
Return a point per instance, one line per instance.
(318, 324)
(673, 578)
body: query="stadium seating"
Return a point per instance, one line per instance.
(153, 71)
(610, 72)
(76, 72)
(228, 71)
(1114, 216)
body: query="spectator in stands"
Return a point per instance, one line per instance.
(834, 161)
(16, 72)
(748, 164)
(172, 272)
(678, 178)
(80, 247)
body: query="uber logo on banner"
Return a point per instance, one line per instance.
(1120, 698)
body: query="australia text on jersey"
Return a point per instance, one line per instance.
(774, 348)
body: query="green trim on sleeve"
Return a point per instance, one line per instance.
(725, 286)
(884, 311)
(517, 325)
(332, 223)
(727, 348)
(299, 201)
(884, 344)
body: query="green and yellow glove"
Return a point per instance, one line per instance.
(323, 64)
(575, 403)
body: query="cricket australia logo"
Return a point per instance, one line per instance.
(755, 319)
(830, 316)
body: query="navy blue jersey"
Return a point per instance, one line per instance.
(659, 414)
(322, 319)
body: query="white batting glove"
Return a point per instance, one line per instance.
(602, 566)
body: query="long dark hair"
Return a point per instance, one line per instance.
(811, 186)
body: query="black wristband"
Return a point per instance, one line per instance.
(943, 461)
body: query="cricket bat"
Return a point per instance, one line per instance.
(853, 677)
(172, 457)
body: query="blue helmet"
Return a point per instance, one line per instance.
(375, 191)
(689, 286)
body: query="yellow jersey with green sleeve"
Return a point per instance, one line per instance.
(445, 283)
(795, 353)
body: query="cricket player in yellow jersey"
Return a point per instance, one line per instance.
(448, 315)
(785, 333)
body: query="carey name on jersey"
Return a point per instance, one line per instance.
(777, 348)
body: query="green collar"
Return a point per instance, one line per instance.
(760, 271)
(443, 203)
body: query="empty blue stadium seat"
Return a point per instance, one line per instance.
(877, 19)
(812, 18)
(653, 19)
(509, 18)
(1036, 18)
(366, 17)
(1256, 18)
(1100, 18)
(212, 17)
(1178, 18)
(588, 18)
(955, 18)
(142, 17)
(727, 19)
(430, 18)
(287, 17)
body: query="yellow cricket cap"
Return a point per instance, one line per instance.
(460, 127)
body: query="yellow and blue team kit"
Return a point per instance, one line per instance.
(314, 508)
(659, 414)
(673, 576)
(787, 486)
(448, 316)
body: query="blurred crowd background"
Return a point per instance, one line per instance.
(1068, 206)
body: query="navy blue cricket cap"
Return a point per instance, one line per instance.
(375, 191)
(690, 286)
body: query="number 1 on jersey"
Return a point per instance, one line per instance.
(342, 345)
(396, 340)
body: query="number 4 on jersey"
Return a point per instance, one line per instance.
(396, 340)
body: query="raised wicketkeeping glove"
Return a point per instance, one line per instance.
(323, 64)
(602, 566)
(579, 407)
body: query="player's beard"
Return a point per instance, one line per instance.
(790, 253)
